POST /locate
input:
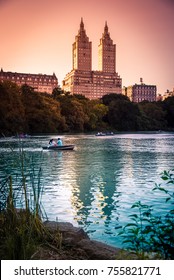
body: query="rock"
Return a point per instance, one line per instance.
(99, 250)
(70, 235)
(76, 238)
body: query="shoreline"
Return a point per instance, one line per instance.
(76, 244)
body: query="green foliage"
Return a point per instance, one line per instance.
(122, 115)
(12, 115)
(150, 233)
(57, 92)
(96, 113)
(42, 112)
(82, 114)
(168, 106)
(108, 98)
(153, 116)
(23, 110)
(76, 117)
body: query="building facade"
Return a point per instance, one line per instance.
(40, 82)
(81, 79)
(140, 92)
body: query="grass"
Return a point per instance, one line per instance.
(21, 228)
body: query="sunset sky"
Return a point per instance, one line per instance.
(36, 36)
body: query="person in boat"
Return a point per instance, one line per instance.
(52, 142)
(59, 142)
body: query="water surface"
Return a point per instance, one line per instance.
(95, 185)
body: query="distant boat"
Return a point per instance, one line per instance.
(24, 135)
(59, 148)
(100, 134)
(105, 134)
(21, 136)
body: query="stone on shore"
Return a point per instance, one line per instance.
(76, 239)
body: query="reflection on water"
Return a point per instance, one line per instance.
(95, 185)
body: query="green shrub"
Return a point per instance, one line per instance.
(150, 235)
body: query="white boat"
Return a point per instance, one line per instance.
(104, 134)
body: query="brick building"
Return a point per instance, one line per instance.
(140, 92)
(40, 82)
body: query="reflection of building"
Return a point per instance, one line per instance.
(95, 195)
(40, 82)
(140, 92)
(82, 80)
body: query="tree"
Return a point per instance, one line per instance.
(57, 92)
(72, 110)
(12, 114)
(122, 114)
(108, 98)
(42, 112)
(96, 113)
(168, 105)
(152, 116)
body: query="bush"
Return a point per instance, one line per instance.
(149, 235)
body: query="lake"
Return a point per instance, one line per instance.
(95, 185)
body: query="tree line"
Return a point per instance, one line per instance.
(23, 110)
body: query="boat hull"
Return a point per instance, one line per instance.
(59, 148)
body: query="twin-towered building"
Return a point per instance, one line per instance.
(82, 79)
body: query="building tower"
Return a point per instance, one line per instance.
(85, 81)
(106, 52)
(82, 51)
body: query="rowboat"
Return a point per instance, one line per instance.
(59, 148)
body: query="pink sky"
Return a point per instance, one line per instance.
(36, 36)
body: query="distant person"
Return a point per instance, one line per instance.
(59, 142)
(52, 142)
